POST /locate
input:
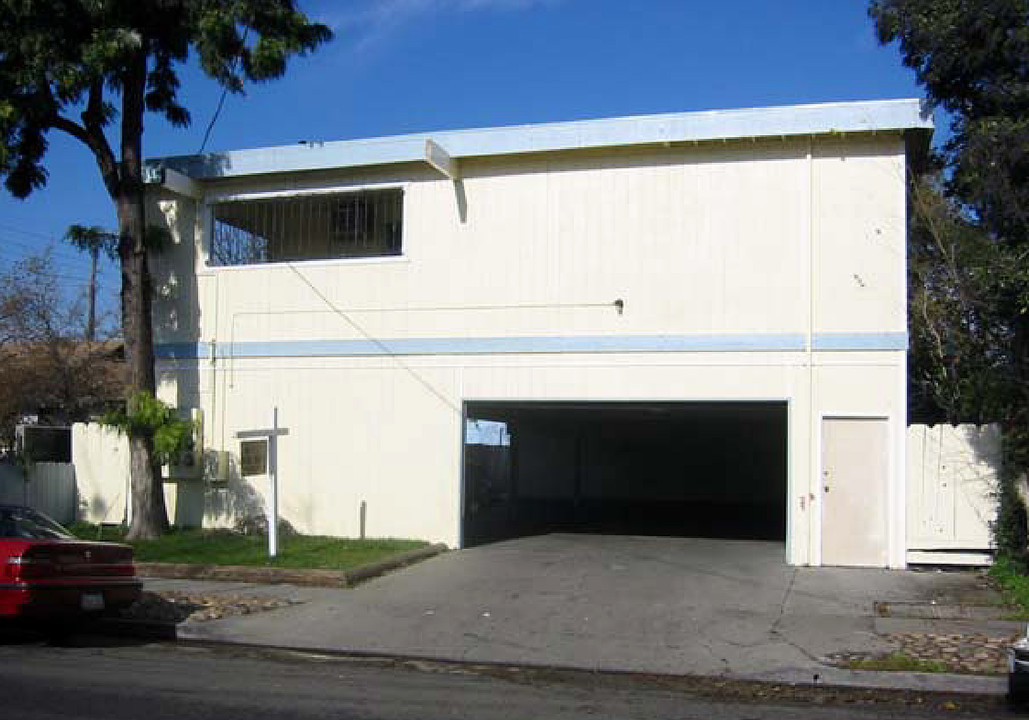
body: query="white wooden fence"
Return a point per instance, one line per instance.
(101, 458)
(47, 487)
(952, 481)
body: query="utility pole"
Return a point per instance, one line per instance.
(94, 254)
(92, 239)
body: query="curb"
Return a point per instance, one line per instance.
(291, 576)
(930, 684)
(941, 686)
(361, 573)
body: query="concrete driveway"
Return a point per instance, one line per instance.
(663, 605)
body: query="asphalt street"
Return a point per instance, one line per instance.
(112, 679)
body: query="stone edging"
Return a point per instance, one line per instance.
(292, 576)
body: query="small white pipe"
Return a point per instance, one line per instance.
(273, 478)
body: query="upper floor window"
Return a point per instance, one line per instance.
(307, 227)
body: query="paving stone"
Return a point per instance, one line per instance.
(973, 653)
(176, 606)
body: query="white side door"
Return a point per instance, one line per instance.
(855, 468)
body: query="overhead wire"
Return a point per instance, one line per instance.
(63, 255)
(102, 282)
(225, 92)
(23, 231)
(102, 276)
(378, 343)
(53, 248)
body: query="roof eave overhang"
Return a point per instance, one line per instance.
(443, 150)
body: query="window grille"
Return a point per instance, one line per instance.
(307, 227)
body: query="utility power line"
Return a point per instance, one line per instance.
(53, 248)
(105, 278)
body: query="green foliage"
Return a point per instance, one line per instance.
(960, 366)
(1009, 530)
(969, 251)
(63, 59)
(146, 416)
(97, 531)
(970, 56)
(93, 239)
(1009, 573)
(77, 66)
(899, 662)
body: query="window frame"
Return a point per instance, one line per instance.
(215, 198)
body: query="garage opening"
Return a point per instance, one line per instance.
(716, 470)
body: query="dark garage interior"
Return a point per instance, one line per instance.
(716, 470)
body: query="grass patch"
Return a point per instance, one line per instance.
(224, 547)
(1010, 577)
(898, 662)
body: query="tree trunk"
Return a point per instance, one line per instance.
(149, 517)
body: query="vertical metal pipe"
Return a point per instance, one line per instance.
(273, 479)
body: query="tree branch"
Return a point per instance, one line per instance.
(93, 115)
(93, 139)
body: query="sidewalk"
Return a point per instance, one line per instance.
(638, 605)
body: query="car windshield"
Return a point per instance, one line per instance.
(26, 524)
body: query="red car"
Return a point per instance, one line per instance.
(47, 574)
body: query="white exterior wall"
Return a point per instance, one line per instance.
(797, 241)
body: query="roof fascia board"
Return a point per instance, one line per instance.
(821, 119)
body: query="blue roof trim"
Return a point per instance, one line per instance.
(827, 118)
(784, 342)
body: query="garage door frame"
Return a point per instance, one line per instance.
(791, 487)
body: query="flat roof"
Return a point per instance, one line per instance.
(781, 121)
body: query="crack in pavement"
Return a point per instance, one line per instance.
(774, 631)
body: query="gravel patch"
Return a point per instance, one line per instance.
(176, 606)
(973, 654)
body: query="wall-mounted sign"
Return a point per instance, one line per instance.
(253, 457)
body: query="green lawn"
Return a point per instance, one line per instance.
(223, 547)
(899, 662)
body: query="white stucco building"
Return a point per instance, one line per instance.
(689, 324)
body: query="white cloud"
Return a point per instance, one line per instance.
(377, 20)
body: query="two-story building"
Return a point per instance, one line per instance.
(686, 324)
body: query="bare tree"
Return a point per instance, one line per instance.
(47, 369)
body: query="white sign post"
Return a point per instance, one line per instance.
(272, 433)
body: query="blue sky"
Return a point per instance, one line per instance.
(401, 66)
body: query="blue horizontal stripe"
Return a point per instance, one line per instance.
(784, 342)
(183, 351)
(861, 341)
(503, 345)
